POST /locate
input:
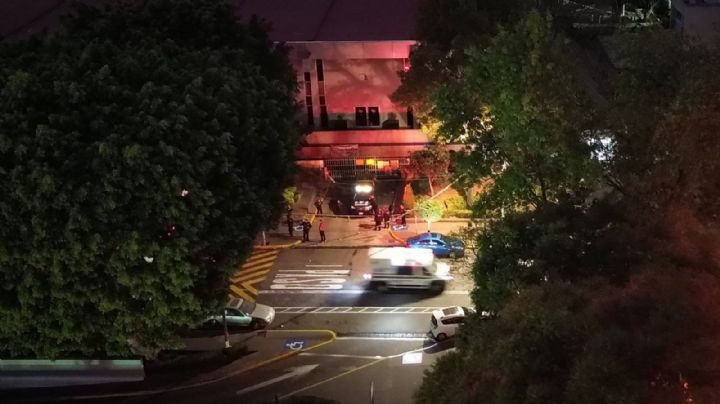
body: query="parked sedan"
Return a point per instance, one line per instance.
(441, 245)
(242, 314)
(444, 323)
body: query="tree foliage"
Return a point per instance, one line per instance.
(445, 29)
(141, 149)
(519, 112)
(605, 292)
(429, 210)
(431, 162)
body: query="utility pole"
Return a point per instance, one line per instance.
(227, 335)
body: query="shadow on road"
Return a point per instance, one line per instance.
(430, 346)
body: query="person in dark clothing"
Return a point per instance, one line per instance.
(318, 206)
(374, 205)
(290, 223)
(378, 220)
(403, 219)
(386, 218)
(306, 230)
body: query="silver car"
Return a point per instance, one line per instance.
(243, 314)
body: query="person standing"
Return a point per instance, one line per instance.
(290, 223)
(318, 206)
(321, 227)
(306, 230)
(403, 219)
(378, 220)
(386, 218)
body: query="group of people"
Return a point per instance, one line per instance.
(306, 226)
(382, 219)
(383, 216)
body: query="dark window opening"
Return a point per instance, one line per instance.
(410, 118)
(308, 101)
(319, 68)
(324, 122)
(360, 116)
(310, 117)
(374, 116)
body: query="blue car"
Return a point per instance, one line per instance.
(441, 246)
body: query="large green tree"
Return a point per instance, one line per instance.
(142, 147)
(526, 125)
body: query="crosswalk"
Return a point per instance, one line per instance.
(244, 282)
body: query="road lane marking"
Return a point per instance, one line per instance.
(291, 292)
(375, 362)
(383, 338)
(249, 276)
(324, 266)
(310, 279)
(252, 262)
(355, 310)
(291, 373)
(342, 355)
(241, 293)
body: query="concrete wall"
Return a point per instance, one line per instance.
(356, 74)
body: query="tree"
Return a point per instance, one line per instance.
(429, 210)
(431, 162)
(445, 29)
(524, 122)
(142, 147)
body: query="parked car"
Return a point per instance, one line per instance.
(240, 313)
(441, 245)
(444, 323)
(362, 199)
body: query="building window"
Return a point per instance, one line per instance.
(310, 117)
(308, 99)
(374, 116)
(319, 69)
(410, 117)
(360, 116)
(324, 122)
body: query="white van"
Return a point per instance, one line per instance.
(406, 268)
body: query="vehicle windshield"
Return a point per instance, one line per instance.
(247, 307)
(450, 311)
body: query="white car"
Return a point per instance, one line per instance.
(445, 322)
(241, 313)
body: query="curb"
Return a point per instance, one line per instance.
(277, 246)
(341, 247)
(397, 238)
(333, 338)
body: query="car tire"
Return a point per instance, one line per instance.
(381, 287)
(257, 324)
(452, 255)
(437, 287)
(441, 337)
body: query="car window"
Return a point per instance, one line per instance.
(233, 312)
(449, 321)
(407, 271)
(247, 307)
(439, 242)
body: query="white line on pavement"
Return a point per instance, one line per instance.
(306, 291)
(324, 266)
(382, 338)
(355, 310)
(341, 355)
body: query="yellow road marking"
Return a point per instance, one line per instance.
(241, 293)
(262, 255)
(251, 264)
(246, 276)
(248, 285)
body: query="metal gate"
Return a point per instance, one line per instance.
(343, 169)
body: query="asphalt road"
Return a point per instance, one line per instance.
(381, 337)
(344, 371)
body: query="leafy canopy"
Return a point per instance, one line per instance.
(141, 149)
